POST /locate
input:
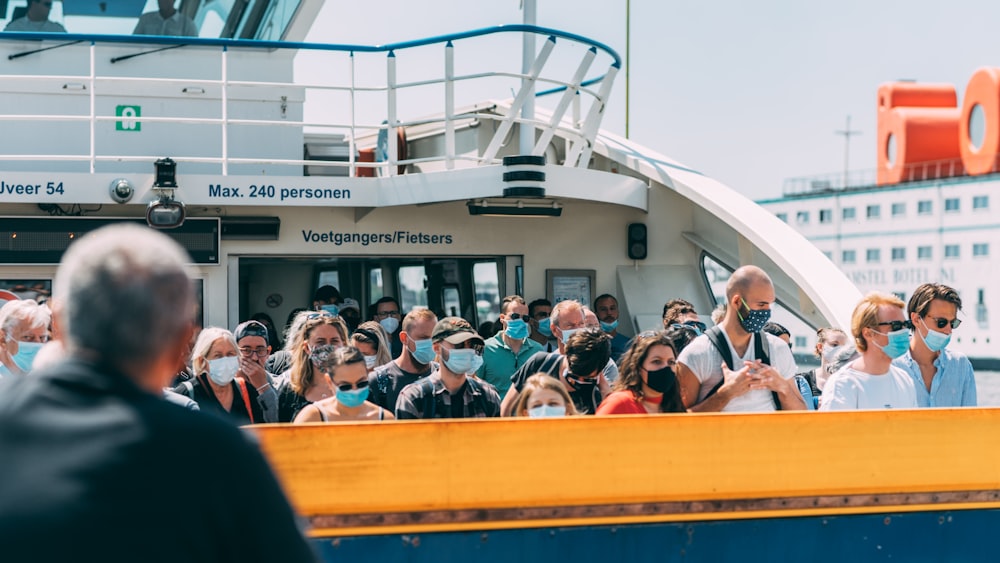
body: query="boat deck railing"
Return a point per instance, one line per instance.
(435, 76)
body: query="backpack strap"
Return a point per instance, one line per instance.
(242, 384)
(714, 335)
(188, 386)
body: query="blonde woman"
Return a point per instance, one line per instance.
(215, 387)
(312, 332)
(544, 396)
(373, 342)
(344, 369)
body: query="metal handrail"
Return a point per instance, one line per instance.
(581, 136)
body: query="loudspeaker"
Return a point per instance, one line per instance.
(637, 247)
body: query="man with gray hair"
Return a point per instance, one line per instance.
(96, 464)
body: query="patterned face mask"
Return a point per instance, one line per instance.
(755, 319)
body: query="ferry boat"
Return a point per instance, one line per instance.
(278, 182)
(925, 215)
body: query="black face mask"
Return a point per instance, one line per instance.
(662, 380)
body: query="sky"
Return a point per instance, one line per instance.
(750, 93)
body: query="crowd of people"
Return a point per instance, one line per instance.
(333, 364)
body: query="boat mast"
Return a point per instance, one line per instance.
(846, 132)
(527, 138)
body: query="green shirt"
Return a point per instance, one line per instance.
(500, 362)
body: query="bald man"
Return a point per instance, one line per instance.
(749, 384)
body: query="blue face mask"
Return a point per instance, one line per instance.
(222, 370)
(609, 327)
(25, 357)
(332, 309)
(899, 343)
(423, 352)
(545, 327)
(566, 333)
(461, 361)
(543, 411)
(352, 398)
(935, 341)
(517, 329)
(755, 319)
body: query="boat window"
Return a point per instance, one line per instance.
(412, 288)
(39, 290)
(451, 301)
(848, 256)
(848, 213)
(924, 252)
(981, 202)
(486, 280)
(951, 204)
(329, 277)
(375, 290)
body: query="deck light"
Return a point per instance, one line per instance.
(514, 209)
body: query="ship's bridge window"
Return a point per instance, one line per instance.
(925, 207)
(981, 202)
(873, 211)
(951, 205)
(924, 253)
(825, 215)
(951, 251)
(873, 255)
(848, 256)
(898, 209)
(981, 249)
(802, 217)
(898, 254)
(848, 214)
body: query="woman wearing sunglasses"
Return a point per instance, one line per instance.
(304, 383)
(344, 369)
(882, 334)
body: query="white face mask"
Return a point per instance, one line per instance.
(370, 361)
(222, 370)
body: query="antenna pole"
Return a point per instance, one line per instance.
(847, 133)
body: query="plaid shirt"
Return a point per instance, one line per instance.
(479, 399)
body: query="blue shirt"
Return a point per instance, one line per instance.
(953, 385)
(619, 343)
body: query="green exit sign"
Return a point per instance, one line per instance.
(128, 118)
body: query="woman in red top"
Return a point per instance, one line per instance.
(646, 382)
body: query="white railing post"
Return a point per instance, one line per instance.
(519, 100)
(390, 128)
(351, 143)
(449, 106)
(564, 102)
(580, 153)
(225, 111)
(93, 107)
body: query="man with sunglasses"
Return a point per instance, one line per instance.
(510, 348)
(882, 334)
(36, 19)
(251, 342)
(942, 377)
(450, 392)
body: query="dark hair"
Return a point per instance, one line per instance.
(329, 359)
(920, 301)
(674, 308)
(629, 378)
(681, 335)
(327, 294)
(588, 350)
(604, 296)
(538, 303)
(387, 299)
(777, 330)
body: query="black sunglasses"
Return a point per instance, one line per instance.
(515, 316)
(941, 322)
(897, 325)
(349, 386)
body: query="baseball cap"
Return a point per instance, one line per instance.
(250, 328)
(455, 330)
(350, 303)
